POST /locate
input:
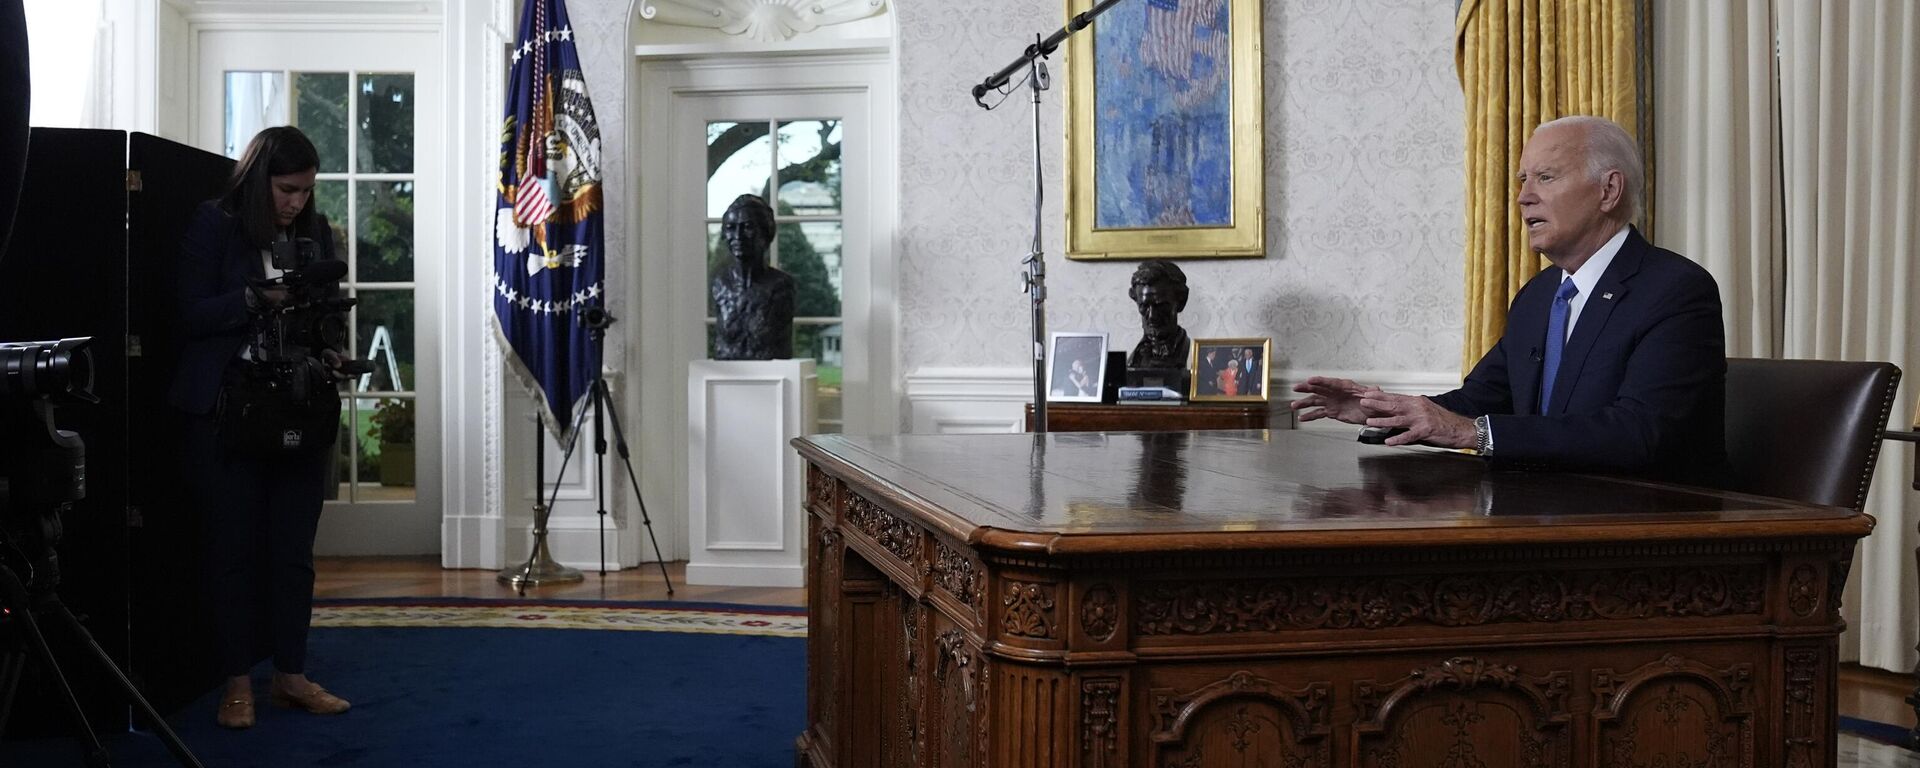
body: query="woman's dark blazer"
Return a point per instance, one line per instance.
(216, 263)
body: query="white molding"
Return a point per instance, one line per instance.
(746, 575)
(731, 50)
(310, 11)
(768, 21)
(474, 523)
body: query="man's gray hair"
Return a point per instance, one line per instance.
(1610, 148)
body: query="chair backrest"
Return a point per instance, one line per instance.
(1807, 430)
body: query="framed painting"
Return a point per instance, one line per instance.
(1229, 370)
(1164, 131)
(1077, 366)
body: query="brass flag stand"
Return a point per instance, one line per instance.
(540, 569)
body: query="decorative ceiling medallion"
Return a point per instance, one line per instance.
(768, 21)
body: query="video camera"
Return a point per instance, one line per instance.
(43, 469)
(314, 316)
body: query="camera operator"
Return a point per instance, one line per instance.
(254, 363)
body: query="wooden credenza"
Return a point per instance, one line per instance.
(1151, 417)
(1214, 599)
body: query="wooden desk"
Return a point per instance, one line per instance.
(1145, 417)
(1292, 598)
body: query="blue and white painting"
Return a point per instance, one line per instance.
(1163, 115)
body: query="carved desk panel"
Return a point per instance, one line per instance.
(1210, 599)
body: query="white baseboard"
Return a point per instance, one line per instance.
(377, 530)
(469, 541)
(747, 575)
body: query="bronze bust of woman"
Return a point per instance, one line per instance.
(753, 301)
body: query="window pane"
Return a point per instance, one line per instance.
(330, 200)
(386, 454)
(385, 231)
(810, 168)
(810, 251)
(320, 110)
(386, 124)
(822, 343)
(739, 162)
(383, 335)
(255, 101)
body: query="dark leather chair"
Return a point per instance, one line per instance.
(1807, 430)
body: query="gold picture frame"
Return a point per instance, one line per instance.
(1159, 127)
(1221, 373)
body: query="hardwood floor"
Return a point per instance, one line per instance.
(344, 577)
(1869, 694)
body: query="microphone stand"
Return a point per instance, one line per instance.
(1034, 280)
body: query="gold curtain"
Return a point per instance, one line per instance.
(1522, 63)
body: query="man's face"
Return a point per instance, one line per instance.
(743, 236)
(290, 194)
(1559, 203)
(1156, 306)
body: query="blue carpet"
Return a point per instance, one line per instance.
(507, 697)
(1867, 729)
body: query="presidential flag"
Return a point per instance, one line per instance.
(549, 253)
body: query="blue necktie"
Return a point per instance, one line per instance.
(1556, 339)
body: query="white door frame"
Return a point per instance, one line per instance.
(677, 99)
(334, 44)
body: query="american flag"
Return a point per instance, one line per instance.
(1178, 30)
(549, 255)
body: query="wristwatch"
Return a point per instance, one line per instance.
(1482, 436)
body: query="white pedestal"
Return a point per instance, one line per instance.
(744, 483)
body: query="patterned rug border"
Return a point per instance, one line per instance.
(560, 614)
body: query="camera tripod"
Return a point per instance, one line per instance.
(22, 641)
(539, 568)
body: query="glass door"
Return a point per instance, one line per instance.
(364, 100)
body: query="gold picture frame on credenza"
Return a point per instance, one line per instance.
(1165, 132)
(1230, 370)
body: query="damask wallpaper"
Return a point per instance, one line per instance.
(1364, 194)
(1364, 189)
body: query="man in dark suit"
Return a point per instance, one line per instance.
(1614, 357)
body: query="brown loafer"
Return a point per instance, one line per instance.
(235, 714)
(317, 701)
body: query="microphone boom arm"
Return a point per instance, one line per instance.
(1040, 49)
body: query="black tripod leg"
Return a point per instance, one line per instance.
(12, 663)
(160, 727)
(626, 457)
(600, 399)
(16, 594)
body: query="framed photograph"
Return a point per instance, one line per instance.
(1230, 370)
(1164, 133)
(1076, 366)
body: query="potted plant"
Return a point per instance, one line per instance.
(393, 429)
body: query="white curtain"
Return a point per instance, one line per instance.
(1795, 179)
(1850, 133)
(1717, 159)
